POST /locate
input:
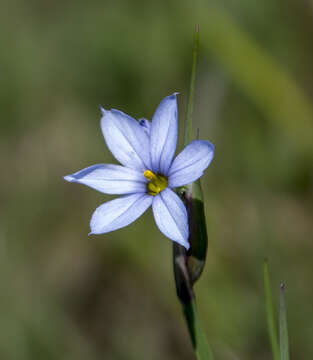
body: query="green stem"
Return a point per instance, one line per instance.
(199, 342)
(272, 331)
(188, 265)
(284, 342)
(188, 123)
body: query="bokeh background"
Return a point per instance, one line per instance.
(65, 295)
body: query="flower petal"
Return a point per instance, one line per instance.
(146, 124)
(110, 179)
(189, 165)
(118, 213)
(171, 216)
(163, 136)
(126, 139)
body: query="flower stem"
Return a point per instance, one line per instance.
(188, 265)
(200, 345)
(187, 298)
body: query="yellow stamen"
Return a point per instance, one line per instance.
(156, 183)
(148, 175)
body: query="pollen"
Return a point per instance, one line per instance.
(156, 182)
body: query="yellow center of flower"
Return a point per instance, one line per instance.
(156, 183)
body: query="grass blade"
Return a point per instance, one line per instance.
(272, 331)
(283, 333)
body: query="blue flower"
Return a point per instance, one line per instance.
(148, 173)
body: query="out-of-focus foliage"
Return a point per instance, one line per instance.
(67, 296)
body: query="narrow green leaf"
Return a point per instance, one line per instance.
(272, 331)
(188, 123)
(283, 333)
(200, 344)
(188, 265)
(192, 194)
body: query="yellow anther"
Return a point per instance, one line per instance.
(156, 183)
(149, 175)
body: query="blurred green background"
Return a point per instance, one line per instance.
(65, 295)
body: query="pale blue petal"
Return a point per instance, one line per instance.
(163, 136)
(118, 213)
(110, 179)
(146, 124)
(126, 139)
(189, 165)
(171, 216)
